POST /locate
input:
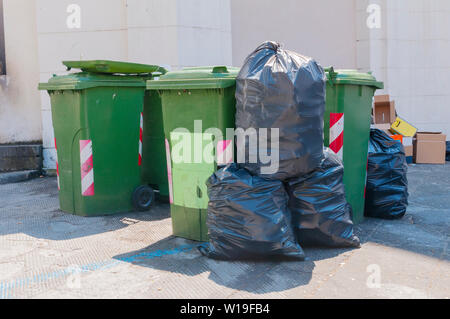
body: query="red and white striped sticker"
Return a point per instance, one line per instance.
(224, 152)
(57, 167)
(337, 133)
(169, 171)
(87, 168)
(141, 132)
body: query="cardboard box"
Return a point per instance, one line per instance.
(408, 151)
(382, 98)
(429, 148)
(383, 127)
(384, 112)
(400, 126)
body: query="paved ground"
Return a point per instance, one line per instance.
(45, 253)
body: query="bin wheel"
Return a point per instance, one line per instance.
(143, 198)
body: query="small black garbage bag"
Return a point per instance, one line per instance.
(447, 157)
(248, 217)
(281, 89)
(387, 184)
(321, 216)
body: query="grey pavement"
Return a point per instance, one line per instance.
(45, 253)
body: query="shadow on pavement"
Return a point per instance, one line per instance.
(32, 208)
(181, 256)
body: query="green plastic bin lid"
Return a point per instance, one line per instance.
(349, 76)
(86, 80)
(112, 67)
(204, 77)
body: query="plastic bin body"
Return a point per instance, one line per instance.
(351, 93)
(103, 113)
(206, 94)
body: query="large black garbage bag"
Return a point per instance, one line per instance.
(248, 217)
(321, 216)
(387, 184)
(284, 90)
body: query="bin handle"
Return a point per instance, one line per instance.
(220, 69)
(161, 70)
(199, 192)
(332, 75)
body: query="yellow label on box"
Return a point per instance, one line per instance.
(402, 127)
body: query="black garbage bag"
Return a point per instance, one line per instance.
(283, 90)
(387, 184)
(447, 156)
(321, 216)
(248, 217)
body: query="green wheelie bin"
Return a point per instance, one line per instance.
(349, 96)
(196, 102)
(97, 119)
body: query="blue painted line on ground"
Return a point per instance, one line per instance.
(7, 288)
